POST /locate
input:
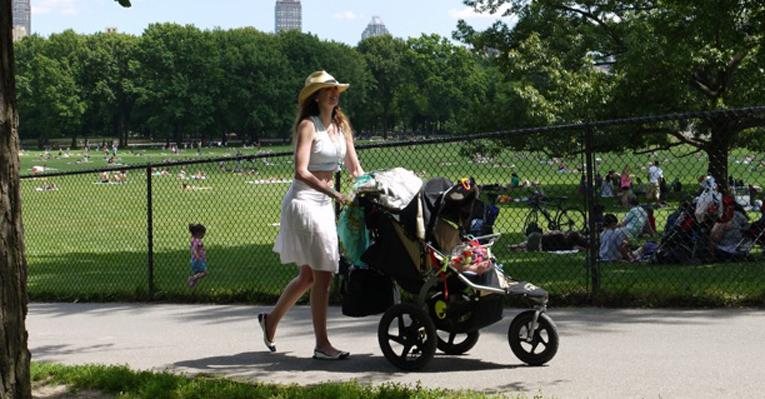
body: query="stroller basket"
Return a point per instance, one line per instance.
(489, 279)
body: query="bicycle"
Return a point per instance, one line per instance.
(563, 219)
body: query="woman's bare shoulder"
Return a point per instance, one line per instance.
(306, 129)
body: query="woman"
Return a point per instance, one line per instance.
(625, 187)
(307, 233)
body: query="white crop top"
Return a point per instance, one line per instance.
(326, 155)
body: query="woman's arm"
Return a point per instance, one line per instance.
(351, 159)
(305, 133)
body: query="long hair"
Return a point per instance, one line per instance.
(310, 108)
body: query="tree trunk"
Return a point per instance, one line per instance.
(122, 129)
(717, 150)
(14, 355)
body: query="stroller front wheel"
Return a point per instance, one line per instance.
(456, 344)
(407, 336)
(533, 350)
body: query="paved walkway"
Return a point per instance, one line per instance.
(604, 353)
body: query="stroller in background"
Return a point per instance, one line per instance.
(682, 233)
(450, 301)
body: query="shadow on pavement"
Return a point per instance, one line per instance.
(265, 363)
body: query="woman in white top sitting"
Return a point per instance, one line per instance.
(307, 231)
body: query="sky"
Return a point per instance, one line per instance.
(338, 20)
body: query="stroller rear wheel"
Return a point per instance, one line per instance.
(456, 343)
(536, 350)
(407, 336)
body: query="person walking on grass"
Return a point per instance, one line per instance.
(198, 255)
(307, 230)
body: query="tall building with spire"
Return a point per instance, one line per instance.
(376, 27)
(287, 15)
(22, 18)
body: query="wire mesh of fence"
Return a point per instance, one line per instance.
(679, 237)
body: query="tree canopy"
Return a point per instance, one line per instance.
(652, 57)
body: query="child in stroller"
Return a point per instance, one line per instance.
(454, 284)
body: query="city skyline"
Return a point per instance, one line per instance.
(22, 21)
(376, 27)
(340, 20)
(288, 15)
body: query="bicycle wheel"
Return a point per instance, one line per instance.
(572, 219)
(531, 223)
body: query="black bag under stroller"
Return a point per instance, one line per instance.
(421, 247)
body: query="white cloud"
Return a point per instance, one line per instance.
(469, 13)
(61, 7)
(346, 15)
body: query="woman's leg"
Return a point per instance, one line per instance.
(292, 292)
(319, 304)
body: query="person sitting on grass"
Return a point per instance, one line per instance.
(727, 235)
(635, 219)
(613, 241)
(515, 181)
(552, 241)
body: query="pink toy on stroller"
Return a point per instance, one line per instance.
(452, 281)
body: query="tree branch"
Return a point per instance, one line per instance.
(698, 143)
(591, 16)
(703, 85)
(727, 74)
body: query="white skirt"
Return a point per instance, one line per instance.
(307, 229)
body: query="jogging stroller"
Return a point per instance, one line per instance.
(453, 284)
(677, 244)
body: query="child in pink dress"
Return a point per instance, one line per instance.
(198, 255)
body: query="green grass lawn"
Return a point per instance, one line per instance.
(88, 241)
(96, 381)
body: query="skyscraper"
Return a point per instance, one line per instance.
(22, 18)
(375, 28)
(287, 15)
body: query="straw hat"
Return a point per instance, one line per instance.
(317, 81)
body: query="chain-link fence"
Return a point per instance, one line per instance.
(122, 232)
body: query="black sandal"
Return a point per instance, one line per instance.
(340, 355)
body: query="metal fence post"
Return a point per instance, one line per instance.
(589, 198)
(149, 234)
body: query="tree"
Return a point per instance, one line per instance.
(176, 68)
(384, 56)
(49, 98)
(668, 56)
(108, 84)
(14, 353)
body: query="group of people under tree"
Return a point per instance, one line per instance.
(693, 233)
(625, 186)
(709, 227)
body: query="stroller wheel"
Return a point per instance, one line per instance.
(407, 336)
(456, 343)
(536, 350)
